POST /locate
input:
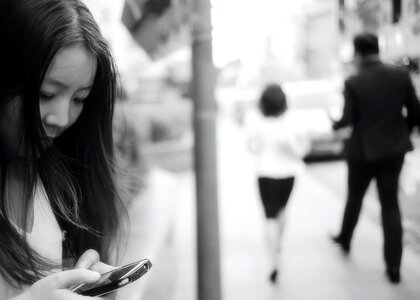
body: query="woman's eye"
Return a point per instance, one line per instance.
(79, 100)
(46, 96)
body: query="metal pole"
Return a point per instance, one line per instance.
(208, 256)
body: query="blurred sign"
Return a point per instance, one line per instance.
(158, 26)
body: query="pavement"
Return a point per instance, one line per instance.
(311, 267)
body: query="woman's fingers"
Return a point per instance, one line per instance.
(88, 259)
(67, 279)
(57, 286)
(101, 267)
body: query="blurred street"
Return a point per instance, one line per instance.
(311, 266)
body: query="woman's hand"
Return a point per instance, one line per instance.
(90, 260)
(57, 286)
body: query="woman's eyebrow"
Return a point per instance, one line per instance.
(63, 85)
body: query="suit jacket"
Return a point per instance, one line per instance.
(381, 106)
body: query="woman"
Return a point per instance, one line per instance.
(279, 148)
(58, 202)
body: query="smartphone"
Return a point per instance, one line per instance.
(114, 279)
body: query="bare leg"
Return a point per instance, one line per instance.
(275, 230)
(272, 241)
(281, 223)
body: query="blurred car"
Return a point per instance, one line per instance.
(408, 63)
(314, 104)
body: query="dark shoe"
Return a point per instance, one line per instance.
(393, 275)
(273, 276)
(343, 245)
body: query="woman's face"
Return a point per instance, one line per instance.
(65, 87)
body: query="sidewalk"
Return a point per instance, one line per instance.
(311, 266)
(150, 221)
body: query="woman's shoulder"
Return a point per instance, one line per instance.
(6, 290)
(291, 119)
(252, 118)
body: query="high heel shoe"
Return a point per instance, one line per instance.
(343, 245)
(273, 276)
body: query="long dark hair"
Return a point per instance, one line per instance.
(77, 171)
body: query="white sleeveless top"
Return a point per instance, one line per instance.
(45, 237)
(279, 144)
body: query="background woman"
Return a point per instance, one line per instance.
(279, 148)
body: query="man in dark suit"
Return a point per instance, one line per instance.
(381, 106)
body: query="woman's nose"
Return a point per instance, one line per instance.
(58, 114)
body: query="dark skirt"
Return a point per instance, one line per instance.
(275, 193)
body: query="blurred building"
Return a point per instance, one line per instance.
(271, 40)
(322, 39)
(148, 38)
(397, 23)
(159, 26)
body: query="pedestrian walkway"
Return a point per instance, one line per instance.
(311, 266)
(150, 219)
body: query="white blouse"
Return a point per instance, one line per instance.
(278, 144)
(45, 237)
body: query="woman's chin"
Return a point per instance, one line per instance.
(47, 142)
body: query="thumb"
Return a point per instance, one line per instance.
(66, 279)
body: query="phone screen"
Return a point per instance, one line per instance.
(114, 279)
